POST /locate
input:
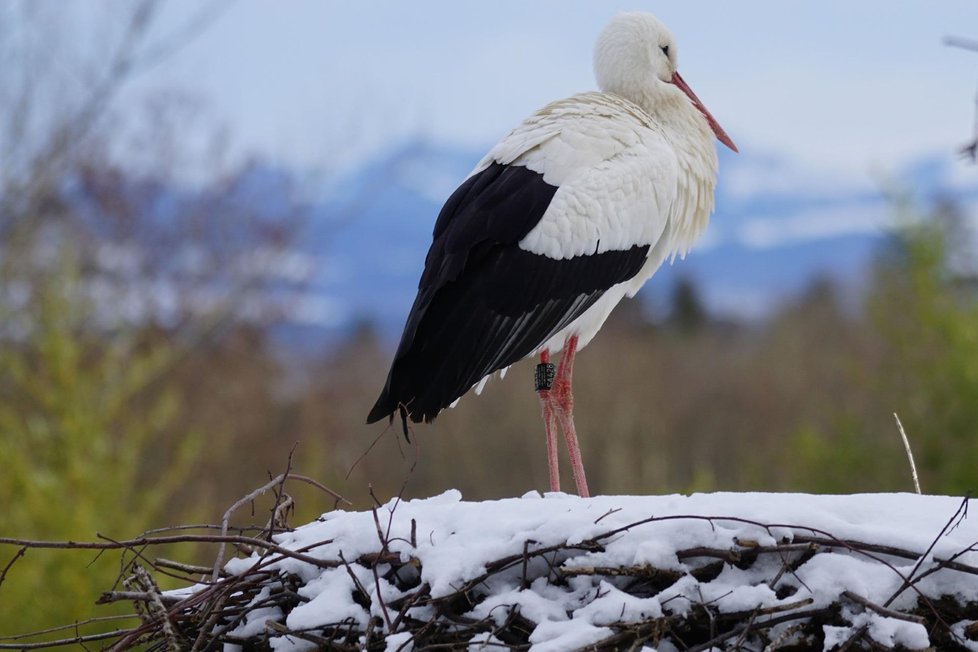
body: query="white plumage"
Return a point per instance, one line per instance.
(618, 179)
(572, 211)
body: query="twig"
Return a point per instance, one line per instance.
(891, 551)
(767, 611)
(373, 567)
(770, 622)
(854, 638)
(322, 642)
(353, 576)
(219, 560)
(75, 625)
(277, 480)
(62, 642)
(645, 572)
(190, 569)
(883, 611)
(422, 592)
(906, 447)
(135, 596)
(777, 643)
(215, 609)
(808, 550)
(319, 485)
(373, 496)
(156, 608)
(200, 526)
(961, 42)
(156, 541)
(20, 553)
(279, 492)
(608, 513)
(909, 581)
(387, 428)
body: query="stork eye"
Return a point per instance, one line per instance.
(665, 49)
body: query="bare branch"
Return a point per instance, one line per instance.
(961, 42)
(156, 541)
(883, 611)
(268, 486)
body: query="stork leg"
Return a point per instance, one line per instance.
(563, 405)
(550, 425)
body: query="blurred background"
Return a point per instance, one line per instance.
(213, 216)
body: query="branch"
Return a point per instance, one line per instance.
(961, 42)
(271, 484)
(883, 611)
(156, 541)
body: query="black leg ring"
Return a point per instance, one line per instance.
(543, 376)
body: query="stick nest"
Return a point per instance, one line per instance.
(251, 608)
(389, 605)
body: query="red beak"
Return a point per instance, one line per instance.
(714, 125)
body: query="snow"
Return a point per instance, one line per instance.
(887, 631)
(451, 542)
(615, 606)
(400, 642)
(256, 618)
(553, 636)
(329, 594)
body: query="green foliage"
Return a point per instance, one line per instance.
(77, 452)
(927, 316)
(844, 460)
(920, 361)
(688, 312)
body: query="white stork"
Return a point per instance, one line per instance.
(572, 211)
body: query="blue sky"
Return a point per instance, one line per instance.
(857, 88)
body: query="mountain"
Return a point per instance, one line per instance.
(360, 242)
(777, 227)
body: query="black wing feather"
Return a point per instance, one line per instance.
(483, 303)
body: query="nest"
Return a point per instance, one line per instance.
(250, 601)
(208, 617)
(251, 607)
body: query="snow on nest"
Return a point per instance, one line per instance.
(485, 549)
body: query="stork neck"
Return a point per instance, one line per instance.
(684, 125)
(687, 130)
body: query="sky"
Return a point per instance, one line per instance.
(853, 87)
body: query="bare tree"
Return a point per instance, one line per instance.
(59, 101)
(68, 179)
(969, 151)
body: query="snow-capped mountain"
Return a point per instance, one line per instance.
(362, 239)
(776, 228)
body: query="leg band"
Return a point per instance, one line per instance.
(543, 376)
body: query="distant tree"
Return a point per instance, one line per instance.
(687, 311)
(960, 242)
(927, 319)
(970, 150)
(96, 429)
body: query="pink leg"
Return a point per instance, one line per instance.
(550, 425)
(564, 407)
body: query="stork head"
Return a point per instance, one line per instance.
(635, 57)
